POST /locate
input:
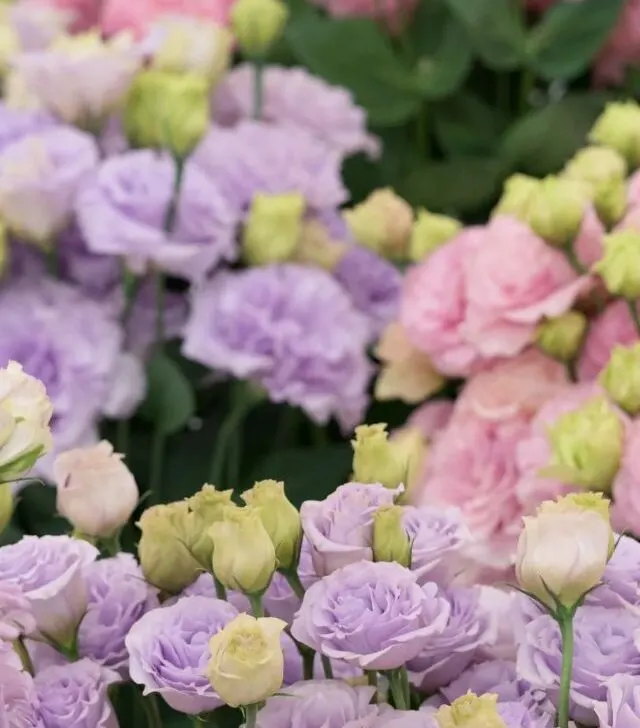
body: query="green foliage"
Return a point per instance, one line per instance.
(170, 400)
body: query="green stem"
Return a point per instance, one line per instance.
(566, 630)
(633, 310)
(326, 666)
(151, 710)
(399, 685)
(308, 658)
(160, 286)
(527, 83)
(157, 464)
(23, 654)
(232, 422)
(53, 261)
(112, 545)
(221, 592)
(250, 715)
(258, 87)
(372, 680)
(122, 436)
(294, 582)
(256, 605)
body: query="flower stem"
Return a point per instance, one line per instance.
(258, 87)
(23, 654)
(291, 575)
(635, 317)
(151, 710)
(308, 658)
(250, 715)
(221, 592)
(256, 605)
(242, 403)
(112, 545)
(566, 629)
(157, 463)
(326, 666)
(399, 685)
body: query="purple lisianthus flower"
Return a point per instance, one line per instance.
(494, 676)
(118, 597)
(389, 718)
(18, 123)
(621, 578)
(279, 599)
(140, 330)
(257, 157)
(49, 569)
(76, 695)
(276, 326)
(450, 652)
(373, 284)
(40, 177)
(375, 616)
(520, 715)
(602, 648)
(622, 706)
(16, 618)
(19, 704)
(123, 211)
(169, 651)
(295, 98)
(339, 529)
(326, 703)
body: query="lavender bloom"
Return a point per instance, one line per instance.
(389, 718)
(169, 650)
(493, 676)
(38, 25)
(519, 715)
(19, 705)
(50, 571)
(16, 618)
(621, 578)
(279, 599)
(76, 695)
(339, 529)
(326, 703)
(8, 656)
(371, 615)
(373, 284)
(204, 586)
(140, 334)
(294, 666)
(276, 326)
(40, 176)
(15, 124)
(118, 597)
(257, 157)
(450, 652)
(622, 706)
(295, 98)
(602, 648)
(123, 211)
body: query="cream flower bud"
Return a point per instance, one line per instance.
(390, 540)
(273, 228)
(258, 24)
(247, 662)
(316, 247)
(166, 561)
(280, 519)
(376, 459)
(563, 550)
(618, 127)
(619, 266)
(561, 337)
(383, 222)
(244, 557)
(621, 378)
(96, 492)
(206, 507)
(586, 446)
(6, 505)
(471, 711)
(167, 110)
(604, 171)
(430, 232)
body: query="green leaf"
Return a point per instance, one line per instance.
(355, 54)
(466, 125)
(544, 140)
(496, 29)
(36, 511)
(570, 35)
(443, 72)
(170, 400)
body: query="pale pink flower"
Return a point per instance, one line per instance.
(515, 280)
(434, 305)
(623, 47)
(85, 13)
(588, 242)
(625, 513)
(633, 190)
(431, 417)
(613, 326)
(393, 13)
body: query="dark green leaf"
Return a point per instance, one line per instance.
(36, 511)
(542, 141)
(170, 400)
(496, 29)
(467, 125)
(355, 54)
(569, 36)
(444, 71)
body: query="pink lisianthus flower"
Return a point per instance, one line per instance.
(85, 14)
(625, 513)
(622, 49)
(588, 242)
(394, 14)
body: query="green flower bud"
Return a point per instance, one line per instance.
(273, 228)
(621, 378)
(6, 505)
(430, 232)
(167, 110)
(206, 507)
(517, 196)
(618, 128)
(376, 459)
(619, 267)
(280, 519)
(561, 337)
(258, 24)
(390, 540)
(605, 172)
(586, 446)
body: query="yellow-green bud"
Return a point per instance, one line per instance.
(390, 540)
(206, 507)
(316, 247)
(579, 502)
(4, 248)
(621, 378)
(586, 446)
(6, 505)
(273, 228)
(258, 24)
(430, 232)
(618, 127)
(167, 110)
(561, 337)
(280, 519)
(166, 561)
(605, 172)
(517, 196)
(619, 266)
(244, 557)
(471, 711)
(376, 459)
